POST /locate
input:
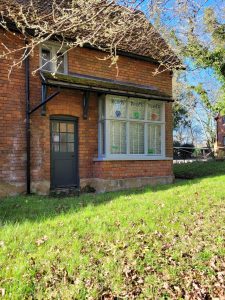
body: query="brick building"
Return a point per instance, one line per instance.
(220, 136)
(88, 125)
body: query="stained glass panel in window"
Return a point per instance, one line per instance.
(154, 111)
(137, 109)
(118, 108)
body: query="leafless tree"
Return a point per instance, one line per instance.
(201, 127)
(109, 25)
(101, 24)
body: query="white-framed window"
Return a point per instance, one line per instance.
(53, 58)
(131, 128)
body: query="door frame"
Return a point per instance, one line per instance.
(65, 118)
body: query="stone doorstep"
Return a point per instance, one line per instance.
(64, 192)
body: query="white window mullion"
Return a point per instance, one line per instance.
(163, 131)
(163, 140)
(107, 137)
(99, 129)
(155, 138)
(138, 137)
(107, 128)
(163, 111)
(121, 137)
(146, 138)
(128, 127)
(54, 51)
(128, 137)
(146, 129)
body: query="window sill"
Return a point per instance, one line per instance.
(128, 157)
(54, 72)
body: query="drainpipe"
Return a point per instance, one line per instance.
(27, 91)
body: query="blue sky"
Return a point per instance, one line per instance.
(173, 22)
(194, 76)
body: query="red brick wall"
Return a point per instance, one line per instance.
(129, 169)
(12, 122)
(89, 61)
(69, 102)
(221, 131)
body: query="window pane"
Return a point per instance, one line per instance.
(70, 147)
(63, 137)
(63, 147)
(46, 57)
(55, 147)
(136, 138)
(154, 111)
(118, 108)
(60, 63)
(63, 127)
(55, 126)
(70, 137)
(56, 137)
(154, 139)
(117, 137)
(137, 109)
(70, 127)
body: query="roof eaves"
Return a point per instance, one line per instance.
(95, 84)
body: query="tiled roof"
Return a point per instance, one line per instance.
(140, 39)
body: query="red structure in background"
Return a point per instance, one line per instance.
(220, 136)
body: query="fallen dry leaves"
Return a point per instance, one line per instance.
(158, 264)
(41, 241)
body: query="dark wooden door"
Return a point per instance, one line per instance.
(64, 154)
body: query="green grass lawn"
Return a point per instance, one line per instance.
(160, 243)
(199, 169)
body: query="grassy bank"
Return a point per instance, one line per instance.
(159, 243)
(199, 169)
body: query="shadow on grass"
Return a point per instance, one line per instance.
(35, 208)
